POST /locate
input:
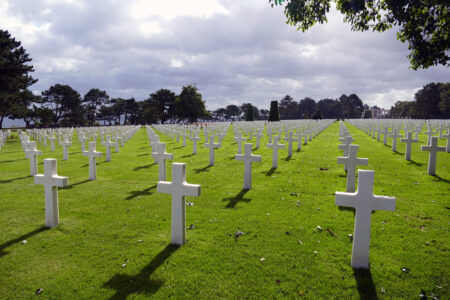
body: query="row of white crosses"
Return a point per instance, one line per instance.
(438, 126)
(4, 134)
(363, 201)
(52, 181)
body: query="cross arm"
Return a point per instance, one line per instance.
(384, 203)
(345, 199)
(191, 189)
(164, 187)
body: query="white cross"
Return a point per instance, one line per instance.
(385, 134)
(51, 181)
(290, 140)
(248, 158)
(434, 149)
(299, 136)
(394, 135)
(275, 146)
(161, 155)
(350, 162)
(344, 146)
(108, 145)
(66, 144)
(258, 136)
(239, 139)
(178, 188)
(409, 141)
(92, 154)
(52, 139)
(194, 139)
(31, 153)
(364, 202)
(447, 136)
(116, 143)
(430, 133)
(211, 147)
(83, 139)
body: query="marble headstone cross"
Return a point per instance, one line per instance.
(447, 136)
(92, 154)
(434, 149)
(161, 155)
(350, 162)
(290, 141)
(258, 136)
(385, 134)
(51, 181)
(394, 135)
(178, 188)
(108, 145)
(31, 153)
(195, 138)
(239, 139)
(409, 141)
(66, 144)
(364, 202)
(275, 147)
(212, 146)
(248, 158)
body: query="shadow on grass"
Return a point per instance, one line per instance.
(125, 285)
(439, 178)
(364, 284)
(270, 172)
(19, 239)
(179, 147)
(398, 153)
(70, 186)
(144, 167)
(288, 158)
(188, 155)
(232, 157)
(143, 154)
(18, 178)
(8, 161)
(84, 166)
(238, 198)
(144, 192)
(412, 162)
(204, 169)
(144, 147)
(345, 208)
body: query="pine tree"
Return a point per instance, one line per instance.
(274, 115)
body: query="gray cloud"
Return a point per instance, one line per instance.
(246, 55)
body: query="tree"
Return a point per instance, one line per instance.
(118, 108)
(288, 108)
(163, 100)
(367, 114)
(306, 108)
(352, 106)
(263, 114)
(402, 109)
(274, 115)
(106, 114)
(428, 100)
(93, 100)
(131, 111)
(249, 115)
(190, 105)
(14, 78)
(22, 108)
(423, 24)
(221, 113)
(444, 104)
(65, 103)
(233, 111)
(329, 108)
(317, 115)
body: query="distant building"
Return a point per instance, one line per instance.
(378, 113)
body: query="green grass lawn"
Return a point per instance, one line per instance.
(114, 233)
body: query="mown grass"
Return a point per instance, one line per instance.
(121, 219)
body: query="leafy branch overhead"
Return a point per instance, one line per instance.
(425, 25)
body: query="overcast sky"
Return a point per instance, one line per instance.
(234, 51)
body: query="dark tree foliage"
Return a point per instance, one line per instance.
(402, 109)
(352, 106)
(264, 114)
(317, 115)
(65, 104)
(306, 108)
(14, 78)
(249, 115)
(221, 113)
(429, 101)
(423, 24)
(23, 109)
(190, 105)
(274, 115)
(233, 111)
(367, 114)
(163, 100)
(330, 109)
(288, 108)
(92, 101)
(255, 111)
